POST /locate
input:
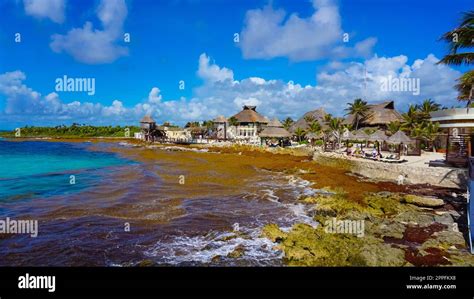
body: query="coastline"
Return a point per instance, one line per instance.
(402, 229)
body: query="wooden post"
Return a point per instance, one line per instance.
(225, 131)
(468, 138)
(447, 145)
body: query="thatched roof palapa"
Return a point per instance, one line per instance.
(360, 135)
(312, 135)
(399, 137)
(147, 119)
(378, 136)
(378, 114)
(274, 129)
(250, 115)
(220, 119)
(274, 132)
(275, 123)
(318, 115)
(347, 135)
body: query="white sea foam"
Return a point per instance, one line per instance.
(203, 249)
(216, 246)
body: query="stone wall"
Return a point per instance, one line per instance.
(437, 176)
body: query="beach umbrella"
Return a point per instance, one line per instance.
(399, 137)
(378, 136)
(274, 132)
(347, 136)
(312, 135)
(361, 135)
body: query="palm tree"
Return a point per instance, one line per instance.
(411, 118)
(299, 133)
(465, 86)
(336, 127)
(233, 121)
(462, 37)
(314, 127)
(327, 118)
(359, 110)
(430, 132)
(427, 107)
(417, 131)
(393, 127)
(309, 119)
(288, 122)
(209, 124)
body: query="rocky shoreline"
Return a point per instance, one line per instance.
(400, 230)
(404, 225)
(414, 225)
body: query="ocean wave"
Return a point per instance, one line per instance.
(216, 248)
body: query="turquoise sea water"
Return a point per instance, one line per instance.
(170, 224)
(34, 168)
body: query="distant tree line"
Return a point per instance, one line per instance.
(74, 131)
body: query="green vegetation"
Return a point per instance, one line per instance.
(315, 127)
(460, 38)
(233, 121)
(359, 109)
(73, 131)
(299, 133)
(417, 123)
(398, 231)
(288, 122)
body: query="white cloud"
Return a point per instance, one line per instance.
(94, 46)
(212, 72)
(25, 104)
(364, 48)
(274, 98)
(52, 9)
(117, 109)
(154, 96)
(246, 101)
(269, 33)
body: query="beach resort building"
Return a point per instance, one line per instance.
(220, 128)
(379, 115)
(457, 134)
(150, 131)
(249, 123)
(176, 133)
(274, 133)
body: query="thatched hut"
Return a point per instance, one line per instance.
(360, 135)
(378, 115)
(399, 137)
(249, 122)
(402, 140)
(378, 136)
(303, 123)
(150, 131)
(274, 130)
(314, 136)
(220, 127)
(347, 135)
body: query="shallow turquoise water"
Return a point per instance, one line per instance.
(34, 168)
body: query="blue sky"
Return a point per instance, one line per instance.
(290, 57)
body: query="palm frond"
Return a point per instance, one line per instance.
(458, 59)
